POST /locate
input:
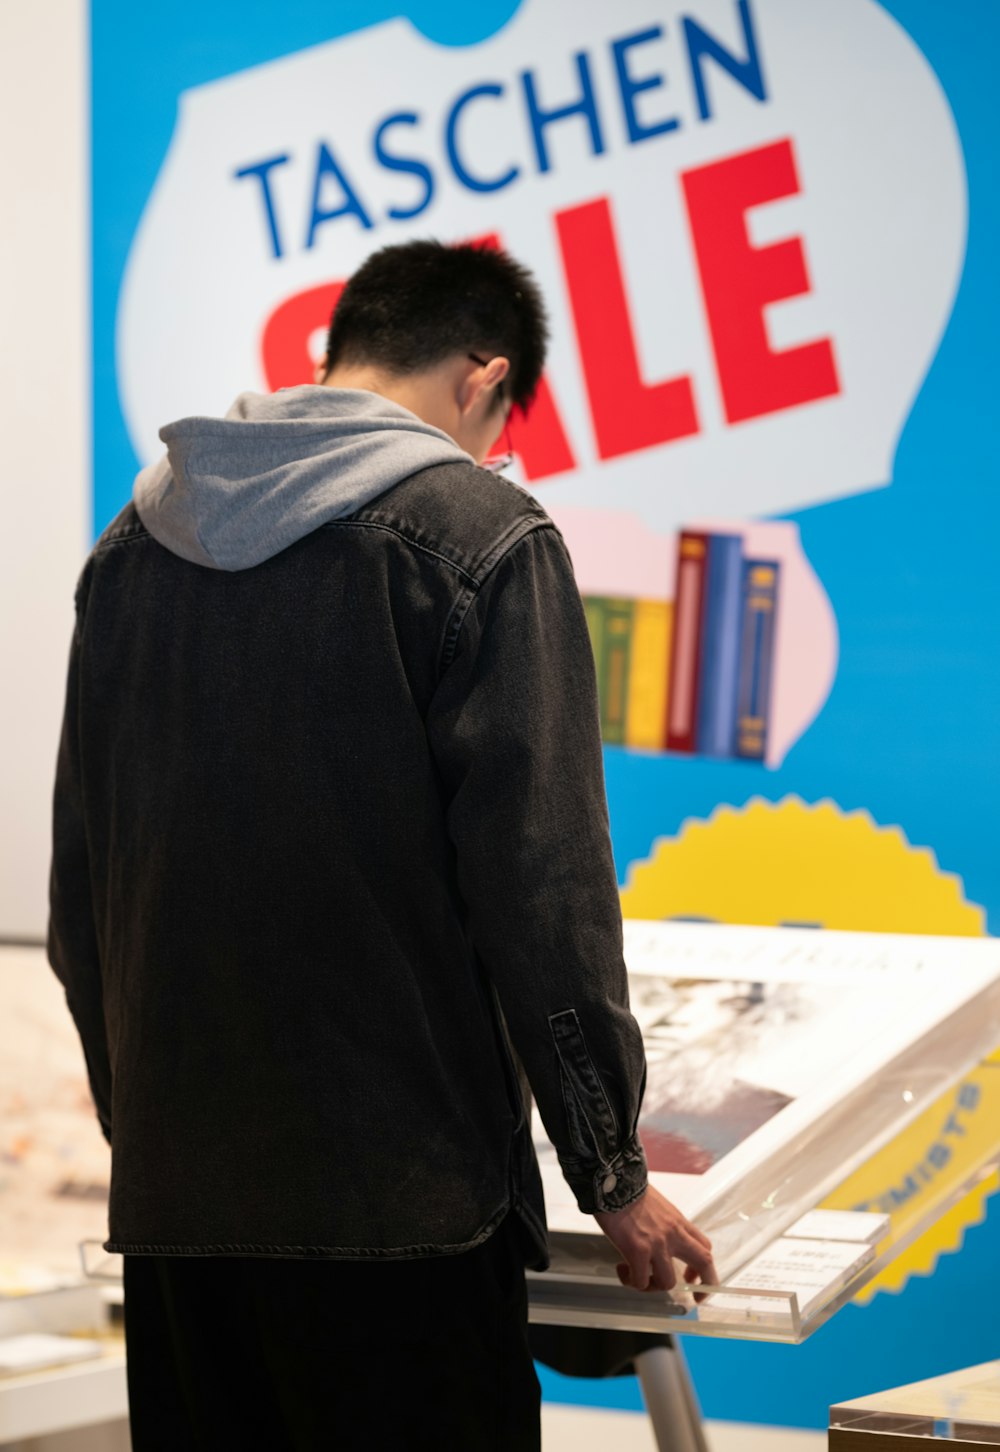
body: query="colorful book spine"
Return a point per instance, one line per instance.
(646, 702)
(685, 651)
(615, 660)
(593, 609)
(756, 673)
(720, 646)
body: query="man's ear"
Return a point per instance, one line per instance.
(320, 371)
(481, 379)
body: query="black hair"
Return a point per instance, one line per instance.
(411, 306)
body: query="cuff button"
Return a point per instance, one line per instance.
(610, 1181)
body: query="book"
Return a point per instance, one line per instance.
(685, 650)
(616, 653)
(649, 665)
(720, 646)
(609, 620)
(756, 666)
(768, 1054)
(34, 1350)
(593, 609)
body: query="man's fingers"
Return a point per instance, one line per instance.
(691, 1275)
(650, 1235)
(664, 1275)
(699, 1235)
(693, 1253)
(640, 1273)
(689, 1236)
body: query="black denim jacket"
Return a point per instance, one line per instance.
(331, 834)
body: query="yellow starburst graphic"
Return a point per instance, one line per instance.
(788, 862)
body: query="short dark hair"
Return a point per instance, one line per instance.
(411, 306)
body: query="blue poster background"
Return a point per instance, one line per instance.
(909, 731)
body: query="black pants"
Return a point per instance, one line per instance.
(298, 1356)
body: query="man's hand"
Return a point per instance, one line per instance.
(651, 1233)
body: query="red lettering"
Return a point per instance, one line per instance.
(628, 414)
(285, 343)
(739, 280)
(538, 436)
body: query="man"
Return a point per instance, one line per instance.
(330, 836)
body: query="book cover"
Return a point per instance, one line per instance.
(720, 646)
(649, 666)
(685, 651)
(756, 668)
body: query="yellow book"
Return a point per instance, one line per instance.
(646, 705)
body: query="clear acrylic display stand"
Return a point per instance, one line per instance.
(961, 1408)
(581, 1289)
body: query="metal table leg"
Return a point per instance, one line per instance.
(670, 1400)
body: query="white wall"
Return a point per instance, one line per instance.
(44, 418)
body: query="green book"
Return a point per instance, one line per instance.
(610, 621)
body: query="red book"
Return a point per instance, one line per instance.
(685, 651)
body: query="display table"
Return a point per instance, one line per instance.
(842, 1042)
(803, 1056)
(961, 1409)
(832, 1046)
(44, 1403)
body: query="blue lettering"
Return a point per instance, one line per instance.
(746, 73)
(939, 1155)
(968, 1096)
(260, 171)
(474, 183)
(630, 87)
(326, 167)
(586, 107)
(406, 164)
(898, 1195)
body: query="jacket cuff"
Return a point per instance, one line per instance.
(610, 1186)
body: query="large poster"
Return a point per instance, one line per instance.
(764, 231)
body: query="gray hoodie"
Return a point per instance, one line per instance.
(234, 491)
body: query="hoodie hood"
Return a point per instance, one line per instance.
(234, 491)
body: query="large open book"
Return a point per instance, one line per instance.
(781, 1058)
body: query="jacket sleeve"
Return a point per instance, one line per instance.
(514, 729)
(72, 938)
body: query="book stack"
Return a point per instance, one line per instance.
(696, 674)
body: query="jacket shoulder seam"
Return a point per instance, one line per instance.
(128, 535)
(407, 539)
(511, 537)
(458, 614)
